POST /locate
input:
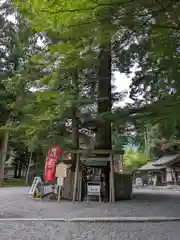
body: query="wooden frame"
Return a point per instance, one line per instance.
(112, 187)
(83, 153)
(75, 187)
(93, 151)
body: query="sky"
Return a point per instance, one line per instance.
(122, 83)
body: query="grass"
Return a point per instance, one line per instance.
(14, 183)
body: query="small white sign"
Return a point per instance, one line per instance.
(60, 181)
(139, 182)
(48, 189)
(94, 190)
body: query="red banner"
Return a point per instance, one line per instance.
(50, 169)
(53, 154)
(54, 151)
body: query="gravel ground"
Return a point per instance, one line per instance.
(15, 203)
(71, 231)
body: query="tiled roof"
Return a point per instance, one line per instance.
(161, 162)
(166, 160)
(150, 167)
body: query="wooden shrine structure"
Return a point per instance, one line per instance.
(82, 155)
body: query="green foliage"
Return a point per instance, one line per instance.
(156, 56)
(133, 159)
(71, 32)
(119, 140)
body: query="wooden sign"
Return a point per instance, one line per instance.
(61, 170)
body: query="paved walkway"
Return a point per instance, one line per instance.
(15, 203)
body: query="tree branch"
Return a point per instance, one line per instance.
(87, 9)
(168, 27)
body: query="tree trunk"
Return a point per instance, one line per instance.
(75, 119)
(3, 153)
(37, 165)
(15, 170)
(103, 135)
(23, 172)
(29, 167)
(75, 133)
(19, 170)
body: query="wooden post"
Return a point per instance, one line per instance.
(59, 193)
(80, 187)
(112, 179)
(110, 192)
(76, 177)
(174, 176)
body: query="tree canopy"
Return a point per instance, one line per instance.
(57, 61)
